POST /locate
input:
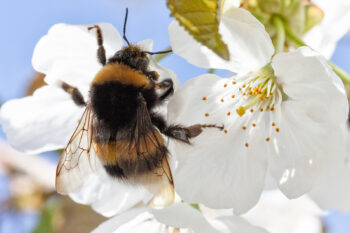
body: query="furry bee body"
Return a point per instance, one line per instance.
(114, 98)
(120, 125)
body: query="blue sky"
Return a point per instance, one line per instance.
(23, 23)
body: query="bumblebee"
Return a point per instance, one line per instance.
(119, 129)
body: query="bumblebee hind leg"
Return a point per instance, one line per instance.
(101, 52)
(75, 93)
(179, 132)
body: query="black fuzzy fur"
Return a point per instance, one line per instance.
(125, 113)
(116, 104)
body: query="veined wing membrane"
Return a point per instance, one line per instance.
(78, 159)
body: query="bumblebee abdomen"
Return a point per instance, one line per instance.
(129, 158)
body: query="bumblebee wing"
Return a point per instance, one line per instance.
(78, 159)
(149, 143)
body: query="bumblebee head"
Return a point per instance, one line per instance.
(133, 55)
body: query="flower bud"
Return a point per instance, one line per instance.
(314, 16)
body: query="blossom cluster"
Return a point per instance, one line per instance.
(284, 114)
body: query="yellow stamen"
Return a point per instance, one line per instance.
(240, 111)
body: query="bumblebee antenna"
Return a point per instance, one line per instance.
(125, 20)
(160, 52)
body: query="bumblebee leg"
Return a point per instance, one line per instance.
(165, 84)
(101, 52)
(75, 93)
(179, 132)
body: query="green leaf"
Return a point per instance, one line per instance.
(199, 18)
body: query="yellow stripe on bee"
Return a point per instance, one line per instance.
(111, 152)
(117, 72)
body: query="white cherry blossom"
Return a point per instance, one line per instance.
(277, 214)
(47, 120)
(179, 218)
(283, 114)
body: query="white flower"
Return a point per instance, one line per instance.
(47, 120)
(335, 24)
(277, 214)
(285, 118)
(174, 219)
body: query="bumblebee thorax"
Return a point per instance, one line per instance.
(124, 74)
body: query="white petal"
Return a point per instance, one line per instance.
(334, 191)
(277, 214)
(179, 216)
(42, 122)
(304, 151)
(335, 24)
(311, 140)
(232, 224)
(311, 78)
(136, 216)
(249, 44)
(217, 170)
(69, 53)
(228, 4)
(108, 196)
(146, 45)
(183, 216)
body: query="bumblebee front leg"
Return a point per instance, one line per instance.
(179, 132)
(168, 85)
(75, 93)
(101, 52)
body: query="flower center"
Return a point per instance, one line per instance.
(259, 92)
(256, 100)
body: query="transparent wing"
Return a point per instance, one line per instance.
(148, 140)
(78, 159)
